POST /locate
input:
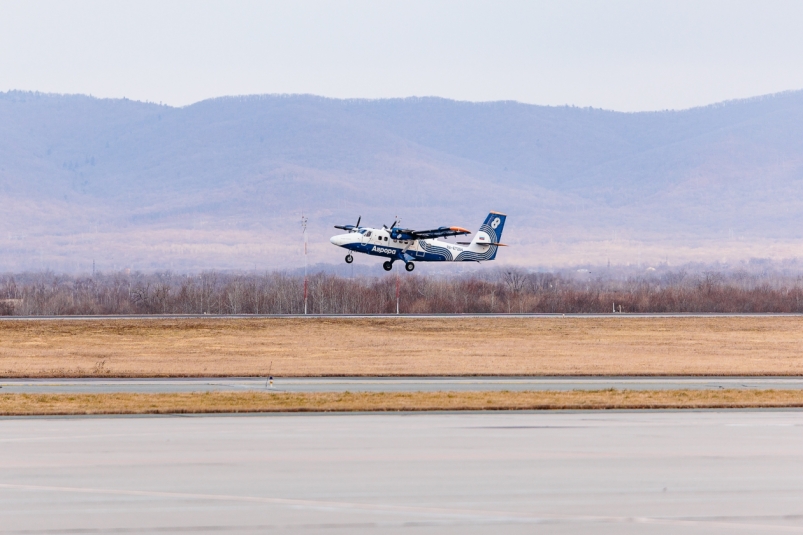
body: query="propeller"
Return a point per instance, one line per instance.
(393, 233)
(350, 228)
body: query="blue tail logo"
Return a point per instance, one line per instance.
(493, 225)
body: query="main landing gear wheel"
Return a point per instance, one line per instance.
(388, 265)
(349, 259)
(409, 266)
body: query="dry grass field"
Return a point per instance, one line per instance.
(217, 402)
(402, 346)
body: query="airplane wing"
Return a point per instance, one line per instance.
(438, 232)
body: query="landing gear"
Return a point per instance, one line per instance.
(388, 265)
(349, 259)
(409, 266)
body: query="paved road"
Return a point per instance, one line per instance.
(393, 384)
(656, 472)
(398, 316)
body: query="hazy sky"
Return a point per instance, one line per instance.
(623, 55)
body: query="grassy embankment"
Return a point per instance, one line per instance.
(244, 402)
(402, 346)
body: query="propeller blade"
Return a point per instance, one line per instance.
(350, 228)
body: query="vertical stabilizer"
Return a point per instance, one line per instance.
(487, 237)
(493, 225)
(491, 229)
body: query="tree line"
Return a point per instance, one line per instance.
(501, 291)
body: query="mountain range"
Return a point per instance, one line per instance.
(223, 183)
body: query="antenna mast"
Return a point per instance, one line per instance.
(304, 234)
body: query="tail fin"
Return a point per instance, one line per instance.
(490, 233)
(493, 226)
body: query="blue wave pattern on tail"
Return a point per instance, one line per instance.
(469, 256)
(493, 226)
(444, 253)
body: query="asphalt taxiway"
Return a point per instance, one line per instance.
(612, 472)
(392, 384)
(608, 315)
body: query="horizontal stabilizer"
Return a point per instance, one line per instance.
(482, 243)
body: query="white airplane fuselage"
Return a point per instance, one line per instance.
(394, 245)
(378, 242)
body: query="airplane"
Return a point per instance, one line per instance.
(411, 246)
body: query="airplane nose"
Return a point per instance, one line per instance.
(339, 240)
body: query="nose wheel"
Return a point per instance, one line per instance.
(409, 266)
(388, 265)
(349, 259)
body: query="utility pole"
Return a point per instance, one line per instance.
(304, 234)
(398, 280)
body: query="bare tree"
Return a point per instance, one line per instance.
(502, 291)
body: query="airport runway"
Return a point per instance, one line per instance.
(398, 316)
(392, 384)
(612, 472)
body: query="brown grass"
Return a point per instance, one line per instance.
(234, 402)
(402, 346)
